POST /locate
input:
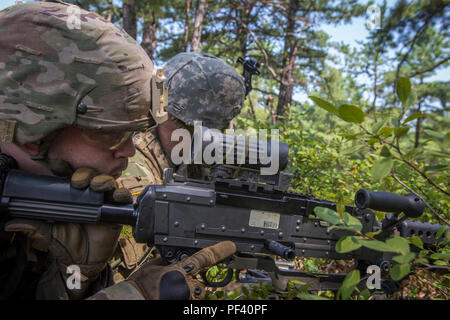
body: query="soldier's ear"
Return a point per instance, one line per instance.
(32, 148)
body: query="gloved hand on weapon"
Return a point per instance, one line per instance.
(89, 246)
(174, 282)
(87, 177)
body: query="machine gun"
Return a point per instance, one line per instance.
(184, 215)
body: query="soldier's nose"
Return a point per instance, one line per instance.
(126, 149)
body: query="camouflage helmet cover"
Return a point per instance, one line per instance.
(54, 75)
(203, 88)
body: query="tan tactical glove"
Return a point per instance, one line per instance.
(87, 177)
(89, 246)
(177, 281)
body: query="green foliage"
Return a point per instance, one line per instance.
(333, 154)
(349, 285)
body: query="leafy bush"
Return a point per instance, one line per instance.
(334, 154)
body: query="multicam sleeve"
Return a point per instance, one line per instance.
(121, 291)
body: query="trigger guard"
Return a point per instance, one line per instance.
(222, 283)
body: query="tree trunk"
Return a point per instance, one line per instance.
(199, 16)
(129, 17)
(110, 11)
(149, 41)
(287, 76)
(375, 88)
(269, 105)
(417, 136)
(252, 108)
(186, 26)
(243, 12)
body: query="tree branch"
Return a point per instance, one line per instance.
(430, 68)
(263, 51)
(425, 202)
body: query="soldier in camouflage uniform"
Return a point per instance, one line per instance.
(202, 88)
(72, 92)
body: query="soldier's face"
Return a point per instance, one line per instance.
(81, 148)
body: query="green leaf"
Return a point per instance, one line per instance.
(324, 105)
(340, 207)
(435, 134)
(416, 241)
(245, 290)
(401, 245)
(400, 132)
(385, 131)
(438, 168)
(351, 113)
(406, 258)
(377, 245)
(385, 152)
(220, 294)
(307, 296)
(440, 154)
(414, 116)
(294, 282)
(342, 227)
(439, 263)
(413, 152)
(441, 231)
(403, 89)
(327, 215)
(421, 260)
(448, 135)
(365, 294)
(373, 140)
(423, 253)
(352, 150)
(347, 244)
(349, 284)
(350, 136)
(352, 222)
(373, 234)
(399, 271)
(381, 168)
(442, 256)
(412, 98)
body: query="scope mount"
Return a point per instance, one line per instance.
(236, 177)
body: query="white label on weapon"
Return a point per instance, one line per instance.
(264, 219)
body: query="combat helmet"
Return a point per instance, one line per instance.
(63, 66)
(203, 88)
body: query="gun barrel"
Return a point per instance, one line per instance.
(49, 198)
(411, 205)
(280, 249)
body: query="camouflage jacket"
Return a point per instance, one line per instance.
(147, 165)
